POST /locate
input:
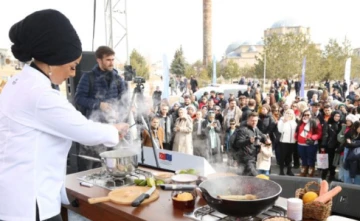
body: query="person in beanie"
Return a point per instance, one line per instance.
(37, 123)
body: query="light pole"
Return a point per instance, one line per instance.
(264, 71)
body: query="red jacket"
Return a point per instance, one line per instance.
(312, 134)
(201, 104)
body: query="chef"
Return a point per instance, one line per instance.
(38, 124)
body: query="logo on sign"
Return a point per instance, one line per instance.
(165, 156)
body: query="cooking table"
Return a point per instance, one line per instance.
(161, 209)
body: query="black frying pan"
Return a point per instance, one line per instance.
(267, 192)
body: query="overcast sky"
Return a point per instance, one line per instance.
(160, 26)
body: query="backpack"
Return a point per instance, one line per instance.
(91, 76)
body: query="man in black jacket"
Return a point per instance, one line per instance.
(249, 93)
(193, 84)
(246, 145)
(297, 86)
(222, 102)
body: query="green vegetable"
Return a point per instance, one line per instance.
(191, 171)
(159, 182)
(188, 171)
(137, 181)
(143, 183)
(150, 182)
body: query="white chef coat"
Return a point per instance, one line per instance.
(37, 126)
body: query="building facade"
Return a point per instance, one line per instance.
(245, 53)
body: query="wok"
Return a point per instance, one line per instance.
(267, 192)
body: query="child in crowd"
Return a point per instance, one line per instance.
(263, 162)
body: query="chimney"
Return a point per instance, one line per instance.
(207, 29)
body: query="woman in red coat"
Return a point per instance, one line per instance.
(308, 132)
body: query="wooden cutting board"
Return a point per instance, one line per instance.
(126, 195)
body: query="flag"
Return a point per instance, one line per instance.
(166, 78)
(347, 74)
(302, 91)
(214, 71)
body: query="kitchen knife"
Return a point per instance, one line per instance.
(143, 196)
(181, 187)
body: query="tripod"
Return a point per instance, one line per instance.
(139, 97)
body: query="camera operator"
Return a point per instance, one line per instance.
(246, 145)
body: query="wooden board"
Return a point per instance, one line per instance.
(126, 195)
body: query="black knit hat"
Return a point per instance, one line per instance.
(46, 36)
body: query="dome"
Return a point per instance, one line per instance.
(252, 49)
(247, 43)
(233, 54)
(286, 23)
(232, 47)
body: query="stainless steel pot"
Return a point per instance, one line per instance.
(120, 162)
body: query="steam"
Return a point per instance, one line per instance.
(123, 111)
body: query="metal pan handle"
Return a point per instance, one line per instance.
(209, 198)
(178, 187)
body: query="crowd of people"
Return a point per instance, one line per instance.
(244, 128)
(247, 129)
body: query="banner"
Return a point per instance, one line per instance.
(166, 78)
(302, 90)
(347, 74)
(214, 71)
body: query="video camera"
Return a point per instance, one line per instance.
(130, 75)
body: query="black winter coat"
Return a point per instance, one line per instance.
(329, 135)
(245, 150)
(352, 162)
(246, 111)
(266, 124)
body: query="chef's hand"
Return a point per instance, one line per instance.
(105, 106)
(122, 128)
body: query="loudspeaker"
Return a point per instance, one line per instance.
(346, 203)
(86, 64)
(290, 184)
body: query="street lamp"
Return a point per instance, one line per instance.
(264, 71)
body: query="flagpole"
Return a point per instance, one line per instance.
(302, 89)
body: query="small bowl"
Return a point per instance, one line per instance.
(184, 178)
(183, 205)
(277, 218)
(164, 176)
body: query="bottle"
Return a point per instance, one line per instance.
(295, 209)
